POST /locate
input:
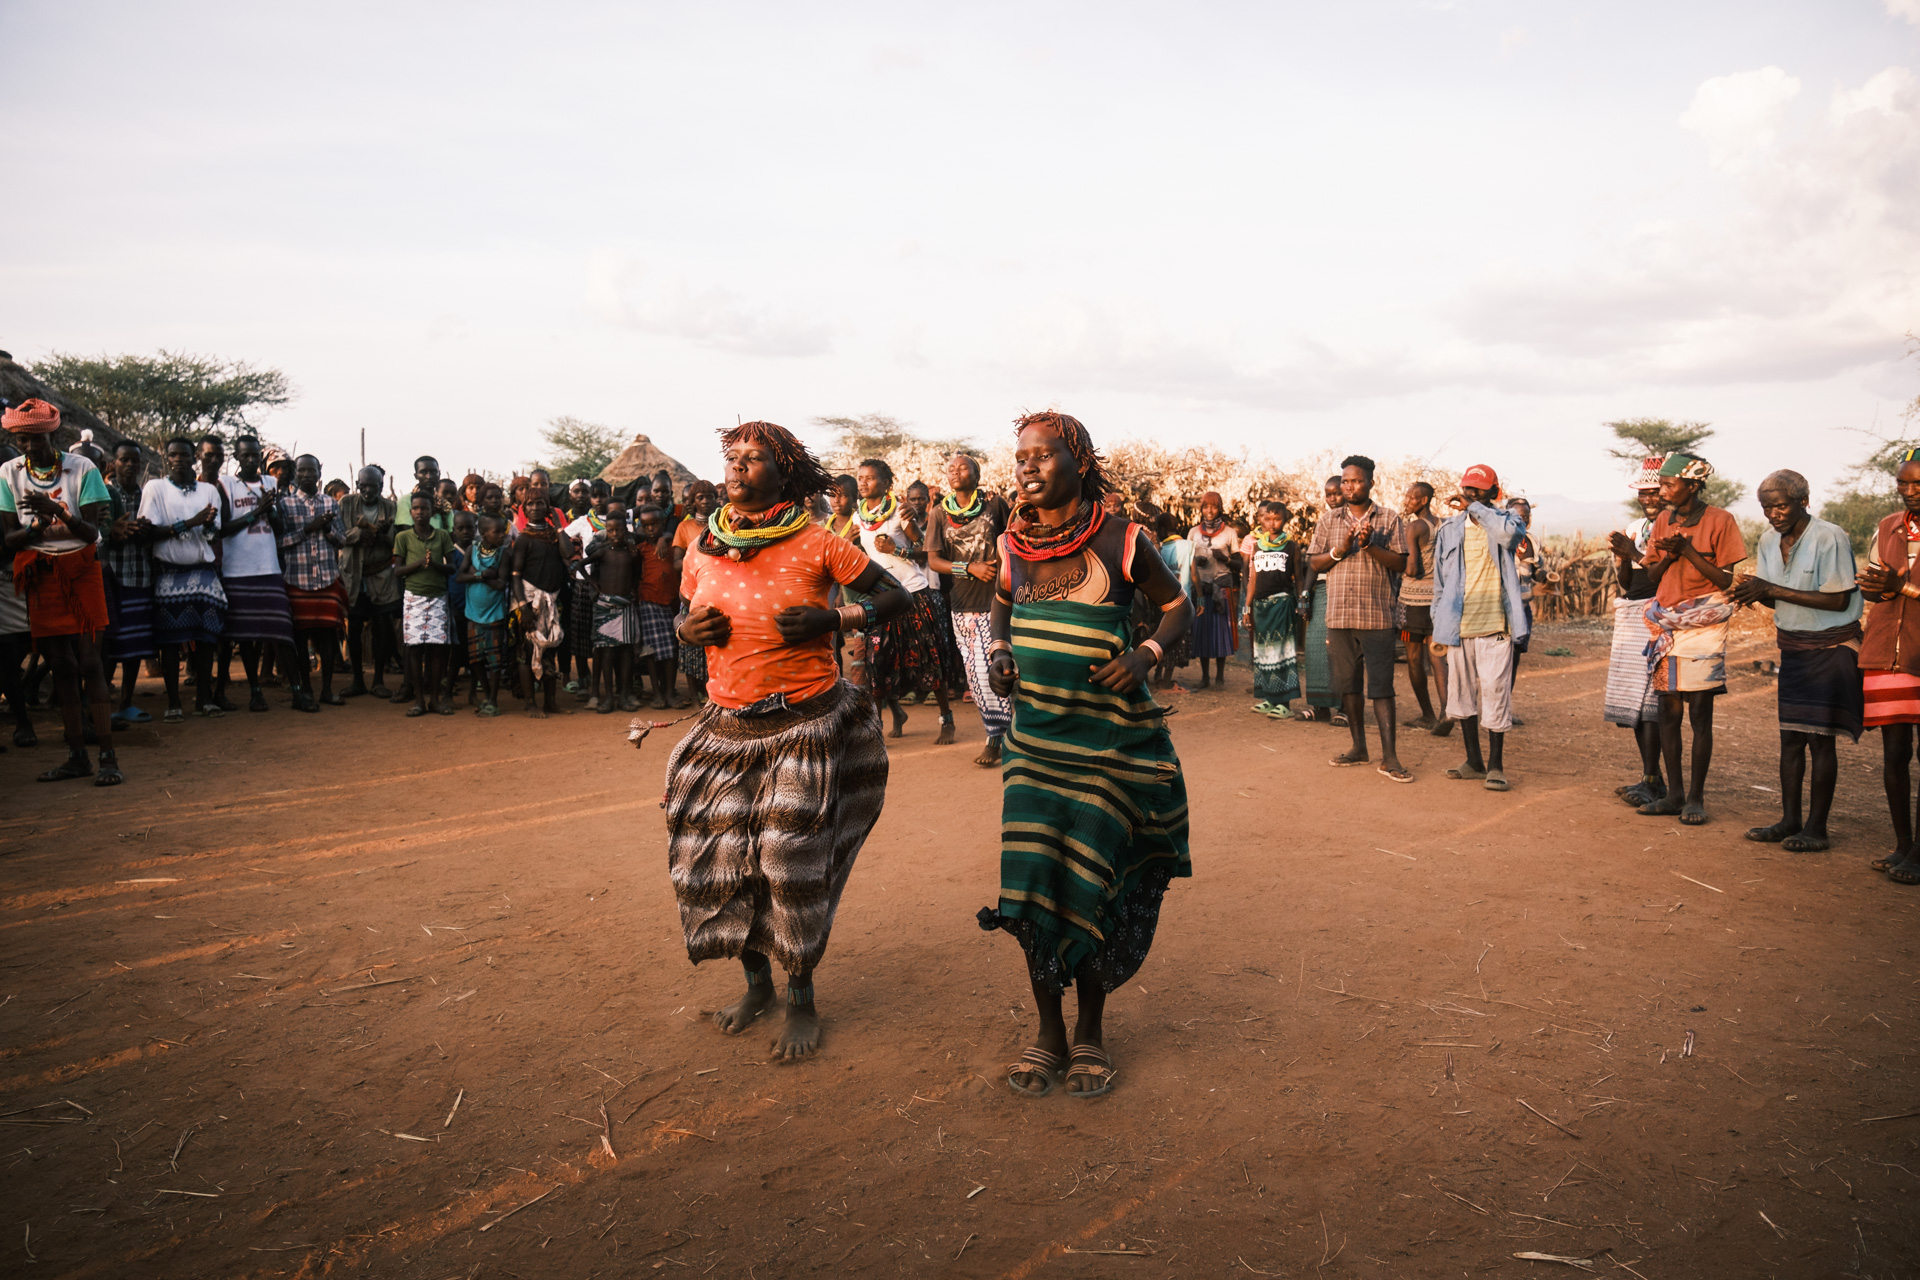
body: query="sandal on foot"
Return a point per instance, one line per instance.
(1467, 773)
(415, 711)
(1664, 807)
(109, 775)
(1770, 835)
(258, 702)
(1496, 781)
(73, 767)
(379, 691)
(174, 715)
(1907, 872)
(1035, 1062)
(1090, 1061)
(1805, 844)
(1279, 711)
(1888, 863)
(1693, 815)
(1339, 720)
(1444, 729)
(334, 699)
(1347, 758)
(1401, 774)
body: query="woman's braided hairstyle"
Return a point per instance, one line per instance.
(1093, 476)
(801, 475)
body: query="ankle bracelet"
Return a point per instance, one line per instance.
(799, 995)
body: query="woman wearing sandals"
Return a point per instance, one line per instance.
(1094, 811)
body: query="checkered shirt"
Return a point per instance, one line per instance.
(130, 562)
(1361, 594)
(312, 563)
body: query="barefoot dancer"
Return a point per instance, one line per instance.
(1478, 615)
(963, 539)
(1361, 548)
(773, 791)
(1890, 662)
(1805, 573)
(1695, 547)
(1630, 700)
(1094, 815)
(913, 653)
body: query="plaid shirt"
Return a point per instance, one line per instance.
(130, 561)
(312, 563)
(1361, 594)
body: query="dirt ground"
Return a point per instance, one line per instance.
(371, 988)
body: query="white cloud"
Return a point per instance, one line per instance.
(1908, 9)
(1739, 116)
(623, 292)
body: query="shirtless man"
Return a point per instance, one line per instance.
(1416, 595)
(613, 566)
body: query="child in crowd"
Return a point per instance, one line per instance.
(463, 531)
(613, 564)
(659, 596)
(423, 562)
(486, 577)
(539, 572)
(1273, 570)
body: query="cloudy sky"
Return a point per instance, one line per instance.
(1469, 230)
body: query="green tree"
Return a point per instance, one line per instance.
(581, 450)
(1859, 514)
(150, 398)
(1645, 436)
(874, 435)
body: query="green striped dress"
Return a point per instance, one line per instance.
(1094, 814)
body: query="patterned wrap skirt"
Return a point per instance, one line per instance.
(1630, 699)
(1214, 634)
(189, 604)
(322, 610)
(765, 816)
(1276, 655)
(257, 608)
(914, 651)
(490, 648)
(656, 631)
(426, 621)
(1316, 669)
(616, 623)
(1093, 818)
(130, 634)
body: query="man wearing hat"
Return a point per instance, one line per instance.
(1693, 549)
(1630, 700)
(52, 504)
(1480, 616)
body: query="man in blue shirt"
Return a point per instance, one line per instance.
(1481, 617)
(1805, 574)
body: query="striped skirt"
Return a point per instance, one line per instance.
(1093, 819)
(1630, 698)
(189, 604)
(1892, 697)
(489, 647)
(322, 610)
(914, 651)
(765, 816)
(1316, 669)
(130, 633)
(257, 608)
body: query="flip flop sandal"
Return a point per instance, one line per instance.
(174, 715)
(1767, 835)
(1091, 1061)
(444, 709)
(1346, 759)
(1262, 707)
(1466, 774)
(1035, 1062)
(1278, 712)
(1339, 720)
(133, 715)
(1496, 781)
(1395, 775)
(210, 711)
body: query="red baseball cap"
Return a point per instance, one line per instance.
(1480, 477)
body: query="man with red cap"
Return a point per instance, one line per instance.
(52, 505)
(1480, 615)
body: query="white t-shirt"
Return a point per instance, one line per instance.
(164, 502)
(904, 571)
(75, 486)
(253, 552)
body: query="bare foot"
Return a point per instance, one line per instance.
(990, 756)
(737, 1016)
(899, 723)
(800, 1036)
(946, 734)
(535, 712)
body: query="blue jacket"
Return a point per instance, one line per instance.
(1450, 570)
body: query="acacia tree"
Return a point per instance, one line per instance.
(151, 398)
(580, 450)
(876, 435)
(1660, 436)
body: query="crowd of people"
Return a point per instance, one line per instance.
(801, 609)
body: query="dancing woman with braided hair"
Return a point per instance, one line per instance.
(1094, 810)
(773, 791)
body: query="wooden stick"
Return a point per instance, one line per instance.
(650, 1097)
(1351, 995)
(1904, 1115)
(64, 1003)
(509, 1213)
(384, 982)
(1549, 1119)
(606, 1133)
(456, 1106)
(1702, 883)
(971, 1237)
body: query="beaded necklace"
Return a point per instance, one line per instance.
(1265, 543)
(1038, 542)
(872, 520)
(739, 536)
(44, 477)
(840, 531)
(963, 514)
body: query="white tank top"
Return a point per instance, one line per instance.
(253, 552)
(904, 571)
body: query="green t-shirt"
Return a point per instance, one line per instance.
(409, 546)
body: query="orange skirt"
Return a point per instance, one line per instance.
(66, 595)
(1893, 697)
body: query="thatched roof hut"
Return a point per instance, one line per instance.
(639, 460)
(17, 384)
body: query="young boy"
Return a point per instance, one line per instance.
(423, 563)
(463, 530)
(1273, 569)
(613, 568)
(539, 571)
(659, 596)
(486, 576)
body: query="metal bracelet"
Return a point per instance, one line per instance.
(851, 616)
(1159, 654)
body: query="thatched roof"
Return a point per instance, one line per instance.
(642, 458)
(17, 384)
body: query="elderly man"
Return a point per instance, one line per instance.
(53, 505)
(1694, 549)
(1805, 574)
(366, 571)
(1481, 618)
(1630, 701)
